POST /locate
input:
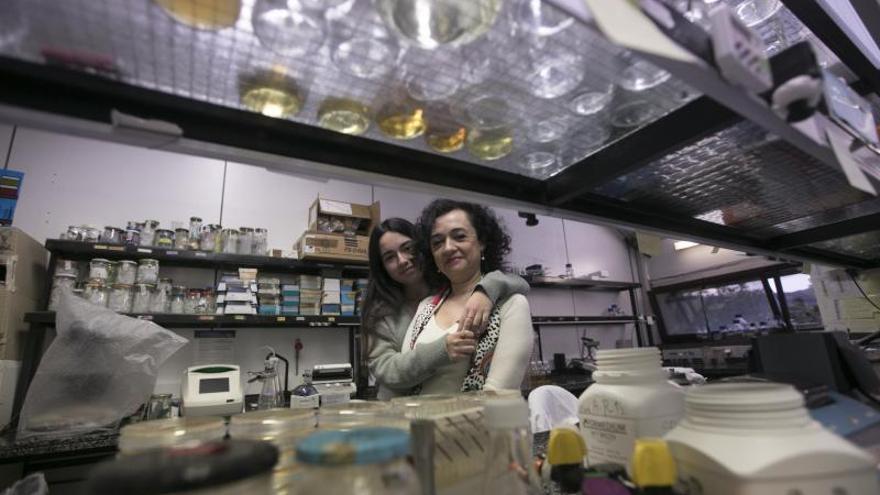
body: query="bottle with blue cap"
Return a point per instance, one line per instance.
(360, 461)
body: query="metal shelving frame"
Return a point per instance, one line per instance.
(569, 194)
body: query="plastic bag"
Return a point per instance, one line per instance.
(33, 484)
(99, 369)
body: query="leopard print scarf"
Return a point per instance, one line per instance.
(475, 378)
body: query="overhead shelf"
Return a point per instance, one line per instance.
(132, 56)
(580, 283)
(225, 321)
(582, 320)
(185, 257)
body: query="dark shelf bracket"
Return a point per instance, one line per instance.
(853, 226)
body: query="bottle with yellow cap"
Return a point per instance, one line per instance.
(565, 454)
(653, 468)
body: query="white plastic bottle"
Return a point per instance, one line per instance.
(631, 398)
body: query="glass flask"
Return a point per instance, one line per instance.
(202, 14)
(287, 31)
(432, 23)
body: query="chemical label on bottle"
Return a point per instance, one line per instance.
(611, 439)
(308, 402)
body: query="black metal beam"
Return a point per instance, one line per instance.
(837, 230)
(869, 12)
(684, 126)
(62, 91)
(823, 26)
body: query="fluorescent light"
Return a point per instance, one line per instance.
(679, 245)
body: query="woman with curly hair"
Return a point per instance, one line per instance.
(464, 241)
(397, 284)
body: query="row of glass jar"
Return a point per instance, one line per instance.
(127, 272)
(212, 237)
(142, 298)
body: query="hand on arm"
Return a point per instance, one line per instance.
(477, 309)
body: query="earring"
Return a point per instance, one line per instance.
(483, 257)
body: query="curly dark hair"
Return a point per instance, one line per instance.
(490, 232)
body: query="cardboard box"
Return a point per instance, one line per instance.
(25, 262)
(309, 282)
(13, 306)
(328, 216)
(331, 284)
(331, 297)
(333, 247)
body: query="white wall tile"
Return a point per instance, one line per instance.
(279, 201)
(592, 248)
(72, 181)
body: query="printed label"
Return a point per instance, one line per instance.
(610, 433)
(310, 402)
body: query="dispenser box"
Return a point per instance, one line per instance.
(328, 216)
(333, 247)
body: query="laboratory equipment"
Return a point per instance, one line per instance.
(163, 238)
(211, 390)
(739, 52)
(631, 398)
(231, 467)
(126, 272)
(120, 298)
(203, 14)
(361, 461)
(141, 299)
(147, 435)
(565, 458)
(305, 395)
(271, 393)
(508, 468)
(147, 271)
(96, 293)
(653, 468)
(158, 407)
(99, 269)
(430, 24)
(112, 235)
(758, 439)
(181, 238)
(335, 382)
(848, 108)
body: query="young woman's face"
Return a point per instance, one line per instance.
(455, 246)
(398, 258)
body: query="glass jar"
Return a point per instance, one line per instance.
(66, 267)
(191, 303)
(60, 282)
(177, 305)
(99, 269)
(96, 293)
(181, 238)
(245, 240)
(164, 238)
(210, 301)
(209, 237)
(195, 229)
(112, 272)
(142, 298)
(170, 432)
(148, 232)
(374, 462)
(126, 272)
(120, 298)
(74, 233)
(148, 271)
(112, 235)
(132, 237)
(90, 233)
(230, 241)
(161, 301)
(261, 242)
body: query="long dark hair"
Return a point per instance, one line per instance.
(384, 295)
(490, 232)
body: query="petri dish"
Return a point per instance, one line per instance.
(485, 107)
(432, 23)
(555, 74)
(286, 31)
(537, 18)
(754, 12)
(329, 9)
(365, 57)
(401, 121)
(344, 115)
(634, 114)
(538, 161)
(591, 101)
(549, 129)
(446, 139)
(431, 83)
(490, 144)
(641, 75)
(271, 94)
(170, 432)
(423, 406)
(202, 14)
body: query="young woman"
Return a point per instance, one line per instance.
(466, 240)
(397, 284)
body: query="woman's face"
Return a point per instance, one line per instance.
(398, 258)
(455, 246)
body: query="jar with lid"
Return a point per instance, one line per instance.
(120, 298)
(178, 296)
(141, 301)
(148, 232)
(99, 269)
(96, 293)
(66, 267)
(195, 229)
(245, 240)
(148, 271)
(74, 233)
(181, 238)
(112, 272)
(631, 394)
(230, 241)
(261, 242)
(362, 461)
(210, 300)
(132, 237)
(90, 233)
(209, 237)
(61, 282)
(161, 301)
(191, 303)
(126, 272)
(164, 238)
(112, 235)
(231, 467)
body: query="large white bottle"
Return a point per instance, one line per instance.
(630, 399)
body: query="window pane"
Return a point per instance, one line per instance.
(801, 300)
(682, 312)
(737, 307)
